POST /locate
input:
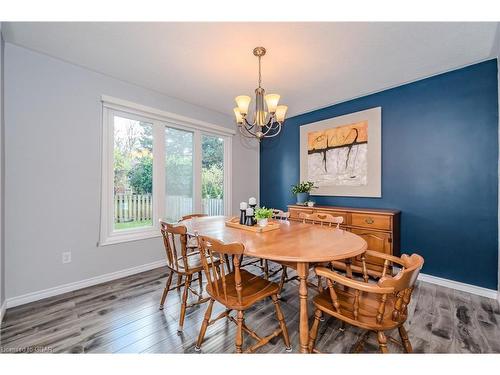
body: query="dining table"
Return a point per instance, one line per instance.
(301, 243)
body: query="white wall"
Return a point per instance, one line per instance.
(52, 132)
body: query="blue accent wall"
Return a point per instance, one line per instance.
(439, 167)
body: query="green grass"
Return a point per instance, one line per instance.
(133, 224)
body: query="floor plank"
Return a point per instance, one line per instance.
(122, 316)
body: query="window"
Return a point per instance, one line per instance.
(212, 174)
(179, 173)
(133, 173)
(159, 165)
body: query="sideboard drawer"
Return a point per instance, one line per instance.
(371, 221)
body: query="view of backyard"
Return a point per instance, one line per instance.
(133, 174)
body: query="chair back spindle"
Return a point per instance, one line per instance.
(321, 219)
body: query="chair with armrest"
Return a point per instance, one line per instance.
(376, 307)
(236, 289)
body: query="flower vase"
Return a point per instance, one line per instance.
(302, 197)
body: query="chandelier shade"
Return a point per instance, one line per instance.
(265, 124)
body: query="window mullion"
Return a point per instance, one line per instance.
(158, 172)
(197, 172)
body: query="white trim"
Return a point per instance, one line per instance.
(473, 289)
(158, 114)
(108, 235)
(2, 311)
(228, 177)
(41, 294)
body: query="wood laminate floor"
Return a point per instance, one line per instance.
(122, 316)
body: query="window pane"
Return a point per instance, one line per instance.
(212, 175)
(133, 173)
(179, 174)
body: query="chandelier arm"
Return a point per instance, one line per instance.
(273, 126)
(245, 133)
(268, 130)
(276, 133)
(249, 132)
(249, 124)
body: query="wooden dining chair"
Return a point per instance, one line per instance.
(192, 245)
(375, 307)
(183, 263)
(236, 289)
(316, 218)
(280, 215)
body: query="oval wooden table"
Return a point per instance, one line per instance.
(293, 242)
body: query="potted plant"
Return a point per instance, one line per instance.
(263, 215)
(302, 190)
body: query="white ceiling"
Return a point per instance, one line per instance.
(311, 65)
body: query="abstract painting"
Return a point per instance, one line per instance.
(342, 155)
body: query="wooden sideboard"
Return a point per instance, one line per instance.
(378, 227)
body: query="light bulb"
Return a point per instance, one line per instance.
(243, 101)
(281, 112)
(239, 117)
(272, 102)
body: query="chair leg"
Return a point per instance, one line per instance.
(179, 281)
(282, 280)
(266, 269)
(200, 280)
(382, 342)
(282, 323)
(165, 291)
(314, 330)
(239, 331)
(204, 325)
(404, 338)
(184, 303)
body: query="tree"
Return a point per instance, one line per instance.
(213, 151)
(212, 182)
(140, 175)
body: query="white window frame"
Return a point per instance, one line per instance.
(159, 120)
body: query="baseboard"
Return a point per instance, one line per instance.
(36, 296)
(3, 307)
(488, 293)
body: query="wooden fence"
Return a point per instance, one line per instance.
(139, 207)
(133, 207)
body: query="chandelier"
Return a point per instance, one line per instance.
(265, 124)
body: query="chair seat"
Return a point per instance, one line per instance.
(255, 289)
(193, 261)
(192, 242)
(367, 311)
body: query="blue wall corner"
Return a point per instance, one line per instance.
(439, 167)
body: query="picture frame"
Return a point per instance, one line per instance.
(343, 155)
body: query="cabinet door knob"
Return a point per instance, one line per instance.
(369, 220)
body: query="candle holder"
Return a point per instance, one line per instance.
(242, 216)
(249, 216)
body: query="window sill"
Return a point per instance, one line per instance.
(129, 236)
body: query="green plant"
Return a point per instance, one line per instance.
(303, 187)
(263, 213)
